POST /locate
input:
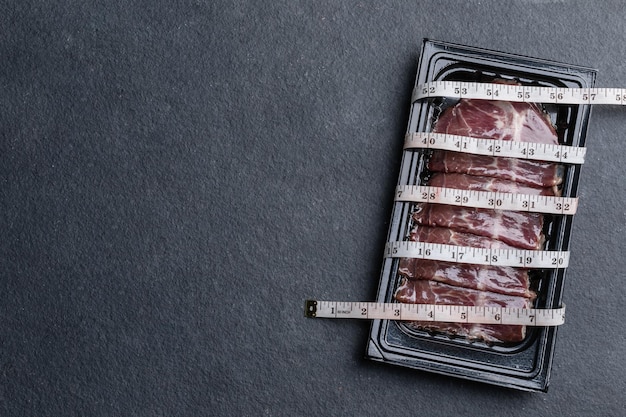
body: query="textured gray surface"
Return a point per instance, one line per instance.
(177, 177)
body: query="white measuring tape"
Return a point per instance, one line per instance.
(434, 312)
(492, 147)
(516, 258)
(520, 93)
(480, 199)
(487, 199)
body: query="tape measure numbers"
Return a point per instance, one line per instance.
(487, 199)
(520, 93)
(434, 312)
(491, 147)
(506, 201)
(516, 258)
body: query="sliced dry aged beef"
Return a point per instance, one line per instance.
(432, 292)
(447, 236)
(534, 173)
(480, 183)
(500, 120)
(430, 282)
(503, 280)
(518, 229)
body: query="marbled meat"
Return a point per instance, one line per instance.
(447, 236)
(498, 279)
(499, 120)
(534, 173)
(433, 292)
(518, 229)
(481, 183)
(432, 282)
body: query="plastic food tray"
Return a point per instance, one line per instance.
(526, 365)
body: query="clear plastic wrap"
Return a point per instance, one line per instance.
(524, 361)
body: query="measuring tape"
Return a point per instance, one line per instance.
(434, 312)
(492, 147)
(520, 93)
(480, 199)
(517, 258)
(487, 199)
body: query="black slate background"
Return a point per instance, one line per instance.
(177, 177)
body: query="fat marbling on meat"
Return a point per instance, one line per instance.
(433, 292)
(483, 183)
(534, 173)
(430, 282)
(518, 229)
(498, 279)
(500, 120)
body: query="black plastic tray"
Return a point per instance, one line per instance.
(526, 365)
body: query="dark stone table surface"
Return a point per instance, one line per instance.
(176, 178)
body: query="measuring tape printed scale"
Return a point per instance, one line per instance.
(487, 199)
(435, 313)
(516, 258)
(520, 93)
(492, 147)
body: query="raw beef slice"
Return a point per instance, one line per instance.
(482, 183)
(432, 292)
(500, 120)
(499, 279)
(518, 229)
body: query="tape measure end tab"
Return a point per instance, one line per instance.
(310, 308)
